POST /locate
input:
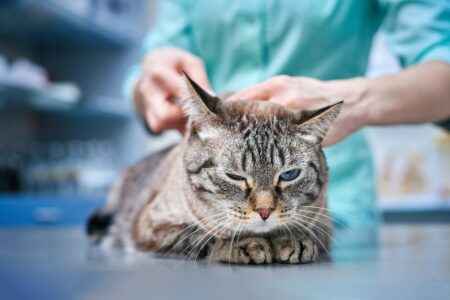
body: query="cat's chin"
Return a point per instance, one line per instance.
(261, 227)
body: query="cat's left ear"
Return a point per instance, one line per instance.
(202, 109)
(314, 125)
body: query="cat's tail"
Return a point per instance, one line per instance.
(99, 223)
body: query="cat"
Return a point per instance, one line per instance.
(246, 185)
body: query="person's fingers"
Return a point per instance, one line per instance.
(199, 76)
(260, 91)
(168, 115)
(151, 117)
(151, 120)
(160, 112)
(169, 81)
(195, 68)
(265, 90)
(172, 118)
(180, 125)
(280, 100)
(151, 93)
(292, 102)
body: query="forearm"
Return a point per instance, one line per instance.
(419, 94)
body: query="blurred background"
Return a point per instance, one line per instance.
(66, 129)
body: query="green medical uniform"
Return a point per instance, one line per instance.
(243, 42)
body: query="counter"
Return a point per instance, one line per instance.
(392, 262)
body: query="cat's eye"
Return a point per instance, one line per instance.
(290, 175)
(235, 177)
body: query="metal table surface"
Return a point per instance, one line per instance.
(390, 262)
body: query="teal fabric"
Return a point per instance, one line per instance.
(244, 42)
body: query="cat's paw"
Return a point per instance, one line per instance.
(294, 251)
(252, 250)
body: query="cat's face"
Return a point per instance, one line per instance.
(253, 164)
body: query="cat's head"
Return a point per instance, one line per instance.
(254, 164)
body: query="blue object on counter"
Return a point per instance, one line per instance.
(30, 210)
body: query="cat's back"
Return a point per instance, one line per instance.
(137, 181)
(132, 189)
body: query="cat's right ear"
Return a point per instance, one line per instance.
(202, 109)
(314, 125)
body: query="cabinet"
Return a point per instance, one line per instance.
(89, 44)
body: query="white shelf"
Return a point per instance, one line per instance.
(20, 99)
(49, 24)
(414, 205)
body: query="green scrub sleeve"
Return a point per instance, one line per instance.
(171, 29)
(418, 31)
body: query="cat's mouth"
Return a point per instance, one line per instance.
(256, 221)
(261, 226)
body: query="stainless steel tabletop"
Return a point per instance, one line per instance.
(391, 262)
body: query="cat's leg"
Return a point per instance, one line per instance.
(166, 238)
(249, 250)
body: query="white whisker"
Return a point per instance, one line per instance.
(199, 240)
(196, 223)
(231, 245)
(312, 233)
(330, 210)
(321, 218)
(214, 247)
(325, 215)
(300, 218)
(201, 227)
(292, 237)
(211, 236)
(331, 220)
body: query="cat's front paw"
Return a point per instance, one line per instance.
(252, 250)
(294, 251)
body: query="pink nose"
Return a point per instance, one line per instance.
(264, 212)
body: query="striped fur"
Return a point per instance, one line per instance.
(191, 205)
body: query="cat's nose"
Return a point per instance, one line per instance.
(264, 212)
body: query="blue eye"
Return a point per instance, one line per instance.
(235, 177)
(290, 175)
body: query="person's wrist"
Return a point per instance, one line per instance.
(354, 92)
(360, 101)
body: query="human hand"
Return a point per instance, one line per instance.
(302, 93)
(160, 86)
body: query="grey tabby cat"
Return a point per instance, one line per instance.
(246, 185)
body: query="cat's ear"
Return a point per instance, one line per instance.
(200, 103)
(202, 109)
(313, 125)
